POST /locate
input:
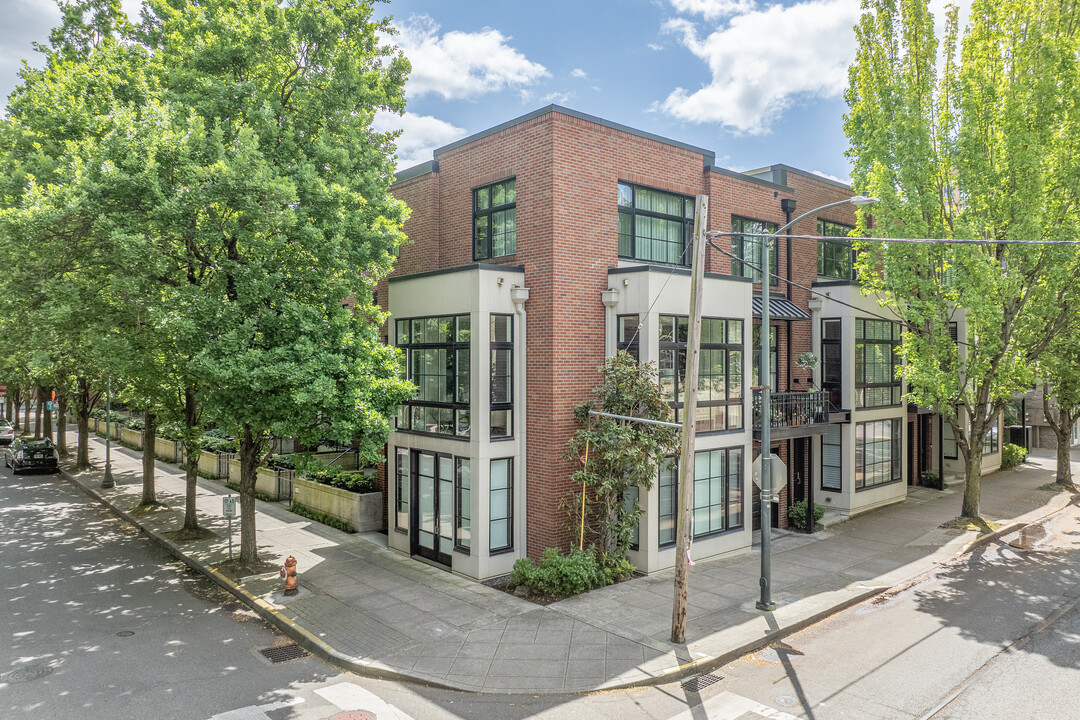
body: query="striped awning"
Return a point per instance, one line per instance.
(780, 308)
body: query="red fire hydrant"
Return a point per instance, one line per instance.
(289, 573)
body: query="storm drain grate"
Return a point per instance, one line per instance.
(283, 653)
(700, 682)
(26, 673)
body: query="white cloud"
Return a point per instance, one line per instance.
(764, 61)
(420, 135)
(558, 98)
(712, 9)
(827, 176)
(656, 47)
(578, 73)
(461, 65)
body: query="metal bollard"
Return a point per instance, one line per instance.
(290, 576)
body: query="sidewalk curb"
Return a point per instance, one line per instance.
(287, 626)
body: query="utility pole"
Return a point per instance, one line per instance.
(686, 464)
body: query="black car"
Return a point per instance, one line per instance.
(31, 453)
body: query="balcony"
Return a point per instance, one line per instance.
(793, 414)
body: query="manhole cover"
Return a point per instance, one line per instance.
(699, 683)
(283, 653)
(786, 701)
(125, 633)
(26, 673)
(354, 715)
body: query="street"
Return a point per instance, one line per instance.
(104, 624)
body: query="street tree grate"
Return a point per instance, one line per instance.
(283, 653)
(26, 673)
(700, 682)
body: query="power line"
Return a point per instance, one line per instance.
(917, 241)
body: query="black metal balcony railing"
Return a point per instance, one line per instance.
(793, 409)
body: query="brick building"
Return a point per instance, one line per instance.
(540, 246)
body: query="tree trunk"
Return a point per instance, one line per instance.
(47, 423)
(14, 404)
(191, 457)
(251, 449)
(972, 481)
(1063, 432)
(26, 415)
(61, 426)
(9, 408)
(149, 493)
(37, 414)
(82, 411)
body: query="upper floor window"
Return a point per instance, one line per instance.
(495, 220)
(836, 258)
(437, 362)
(628, 328)
(876, 361)
(832, 364)
(747, 248)
(502, 376)
(720, 374)
(654, 226)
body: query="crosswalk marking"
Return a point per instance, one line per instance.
(729, 706)
(349, 696)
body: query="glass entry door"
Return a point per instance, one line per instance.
(432, 523)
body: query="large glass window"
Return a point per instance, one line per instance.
(877, 453)
(437, 362)
(747, 248)
(876, 363)
(502, 377)
(718, 494)
(654, 226)
(629, 334)
(500, 505)
(832, 365)
(836, 259)
(495, 220)
(832, 459)
(720, 373)
(401, 490)
(949, 449)
(990, 442)
(462, 504)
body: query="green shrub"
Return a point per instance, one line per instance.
(797, 515)
(351, 480)
(98, 413)
(559, 575)
(170, 430)
(1012, 455)
(213, 443)
(133, 423)
(282, 462)
(932, 480)
(216, 433)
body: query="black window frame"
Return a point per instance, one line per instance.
(668, 481)
(861, 356)
(895, 460)
(740, 263)
(825, 465)
(832, 359)
(774, 356)
(402, 483)
(992, 440)
(503, 348)
(946, 442)
(676, 349)
(483, 246)
(462, 507)
(629, 212)
(457, 348)
(625, 339)
(509, 547)
(844, 252)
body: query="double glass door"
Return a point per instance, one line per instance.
(432, 521)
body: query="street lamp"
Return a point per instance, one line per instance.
(766, 603)
(108, 482)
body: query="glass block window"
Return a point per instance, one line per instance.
(495, 220)
(654, 225)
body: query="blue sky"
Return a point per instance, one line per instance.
(757, 83)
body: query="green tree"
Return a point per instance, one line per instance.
(280, 213)
(1060, 371)
(622, 455)
(983, 150)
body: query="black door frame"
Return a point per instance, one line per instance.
(437, 554)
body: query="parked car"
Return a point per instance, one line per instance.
(7, 433)
(31, 453)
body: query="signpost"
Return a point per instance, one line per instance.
(228, 509)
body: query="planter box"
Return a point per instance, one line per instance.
(362, 511)
(171, 451)
(346, 460)
(214, 464)
(275, 483)
(131, 437)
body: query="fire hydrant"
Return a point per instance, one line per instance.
(289, 572)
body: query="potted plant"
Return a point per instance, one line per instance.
(807, 361)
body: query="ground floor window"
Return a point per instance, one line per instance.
(877, 453)
(832, 464)
(401, 490)
(718, 494)
(948, 441)
(991, 443)
(500, 505)
(463, 504)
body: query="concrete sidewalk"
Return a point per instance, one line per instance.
(376, 612)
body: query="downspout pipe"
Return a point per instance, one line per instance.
(519, 295)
